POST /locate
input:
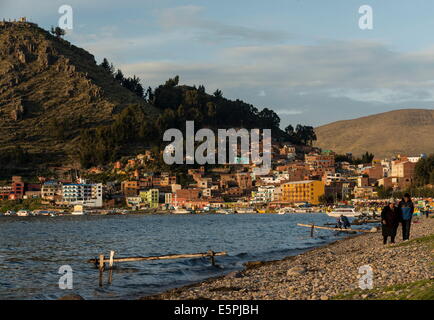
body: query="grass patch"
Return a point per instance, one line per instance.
(419, 290)
(427, 240)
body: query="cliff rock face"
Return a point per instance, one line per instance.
(408, 131)
(45, 80)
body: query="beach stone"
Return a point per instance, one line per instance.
(324, 297)
(296, 271)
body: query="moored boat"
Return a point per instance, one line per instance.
(23, 213)
(346, 211)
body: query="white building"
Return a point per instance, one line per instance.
(264, 194)
(88, 195)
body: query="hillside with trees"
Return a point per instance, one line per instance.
(177, 104)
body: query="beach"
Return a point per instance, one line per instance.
(330, 272)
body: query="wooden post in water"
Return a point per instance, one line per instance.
(101, 268)
(212, 257)
(311, 230)
(112, 254)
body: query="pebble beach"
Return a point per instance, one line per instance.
(326, 272)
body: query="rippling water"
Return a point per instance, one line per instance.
(32, 249)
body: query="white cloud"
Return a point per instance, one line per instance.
(193, 18)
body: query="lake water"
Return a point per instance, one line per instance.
(32, 249)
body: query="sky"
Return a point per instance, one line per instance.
(308, 60)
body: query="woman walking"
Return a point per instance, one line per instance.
(390, 217)
(407, 208)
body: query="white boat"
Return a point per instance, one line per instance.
(10, 213)
(345, 211)
(246, 210)
(285, 210)
(224, 211)
(181, 211)
(23, 213)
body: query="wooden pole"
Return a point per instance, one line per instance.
(311, 230)
(101, 269)
(101, 262)
(336, 229)
(112, 254)
(212, 254)
(168, 257)
(110, 279)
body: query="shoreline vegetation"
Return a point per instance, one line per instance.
(403, 271)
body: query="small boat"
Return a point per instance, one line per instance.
(23, 213)
(224, 211)
(246, 210)
(346, 211)
(181, 211)
(10, 213)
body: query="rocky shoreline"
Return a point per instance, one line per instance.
(326, 272)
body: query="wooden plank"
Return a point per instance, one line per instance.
(335, 229)
(168, 257)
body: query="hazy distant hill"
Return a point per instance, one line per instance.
(408, 131)
(48, 88)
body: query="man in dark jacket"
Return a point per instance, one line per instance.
(407, 208)
(390, 217)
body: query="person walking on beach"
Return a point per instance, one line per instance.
(390, 217)
(407, 208)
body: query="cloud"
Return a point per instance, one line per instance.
(291, 112)
(192, 18)
(312, 83)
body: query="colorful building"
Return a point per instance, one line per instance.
(151, 197)
(302, 191)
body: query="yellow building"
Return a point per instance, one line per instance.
(302, 191)
(151, 197)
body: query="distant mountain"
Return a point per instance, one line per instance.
(49, 91)
(408, 131)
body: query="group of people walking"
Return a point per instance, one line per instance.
(392, 215)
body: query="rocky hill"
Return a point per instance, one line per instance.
(49, 91)
(408, 131)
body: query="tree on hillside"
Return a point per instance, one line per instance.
(269, 119)
(424, 171)
(119, 76)
(172, 82)
(218, 93)
(305, 134)
(58, 32)
(367, 157)
(107, 66)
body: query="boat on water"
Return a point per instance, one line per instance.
(224, 211)
(23, 213)
(285, 210)
(181, 211)
(10, 213)
(346, 211)
(246, 210)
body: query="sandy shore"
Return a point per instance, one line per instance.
(325, 272)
